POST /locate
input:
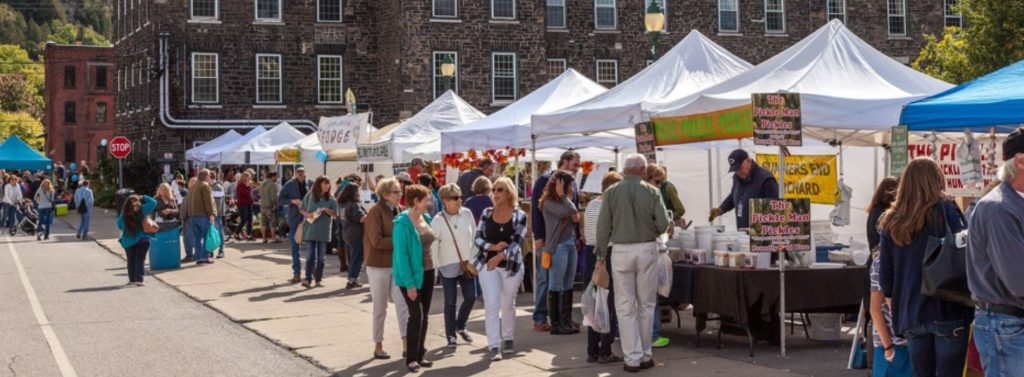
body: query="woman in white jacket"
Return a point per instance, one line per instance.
(455, 230)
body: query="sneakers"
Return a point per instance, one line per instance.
(647, 364)
(660, 342)
(188, 260)
(425, 363)
(307, 284)
(140, 284)
(295, 279)
(353, 285)
(465, 336)
(451, 342)
(220, 255)
(495, 354)
(610, 359)
(413, 367)
(541, 327)
(508, 348)
(319, 284)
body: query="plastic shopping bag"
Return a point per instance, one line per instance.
(212, 239)
(664, 274)
(595, 309)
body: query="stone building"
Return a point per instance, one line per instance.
(187, 70)
(79, 101)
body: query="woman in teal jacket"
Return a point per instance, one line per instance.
(414, 270)
(134, 239)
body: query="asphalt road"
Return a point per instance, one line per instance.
(66, 311)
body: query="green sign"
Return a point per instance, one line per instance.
(778, 225)
(732, 123)
(898, 152)
(777, 119)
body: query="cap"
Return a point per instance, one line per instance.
(1013, 144)
(736, 159)
(299, 167)
(404, 177)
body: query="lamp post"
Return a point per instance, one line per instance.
(654, 21)
(448, 71)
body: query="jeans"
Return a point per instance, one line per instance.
(186, 235)
(938, 348)
(137, 260)
(83, 227)
(315, 260)
(418, 314)
(296, 254)
(899, 367)
(8, 215)
(563, 266)
(198, 227)
(635, 281)
(657, 323)
(45, 220)
(540, 290)
(453, 322)
(245, 223)
(355, 259)
(220, 229)
(599, 344)
(1000, 341)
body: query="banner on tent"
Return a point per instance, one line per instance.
(809, 177)
(341, 132)
(376, 152)
(288, 156)
(778, 225)
(732, 123)
(776, 119)
(946, 155)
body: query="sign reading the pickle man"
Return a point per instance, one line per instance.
(811, 177)
(777, 119)
(778, 225)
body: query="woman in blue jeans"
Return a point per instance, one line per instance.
(456, 231)
(318, 207)
(44, 202)
(936, 330)
(352, 215)
(560, 219)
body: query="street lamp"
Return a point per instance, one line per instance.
(654, 21)
(448, 71)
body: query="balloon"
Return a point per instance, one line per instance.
(74, 166)
(74, 177)
(103, 142)
(321, 156)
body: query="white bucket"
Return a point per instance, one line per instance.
(704, 235)
(825, 326)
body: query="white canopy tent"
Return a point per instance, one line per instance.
(695, 63)
(213, 153)
(261, 149)
(227, 138)
(447, 111)
(844, 84)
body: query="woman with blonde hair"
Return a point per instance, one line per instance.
(167, 212)
(936, 330)
(378, 227)
(44, 199)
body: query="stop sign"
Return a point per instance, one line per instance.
(120, 147)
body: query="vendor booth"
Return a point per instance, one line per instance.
(212, 154)
(262, 149)
(213, 145)
(447, 112)
(995, 100)
(16, 155)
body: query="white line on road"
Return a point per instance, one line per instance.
(59, 356)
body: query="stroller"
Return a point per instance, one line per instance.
(28, 218)
(232, 220)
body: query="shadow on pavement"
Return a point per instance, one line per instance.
(97, 289)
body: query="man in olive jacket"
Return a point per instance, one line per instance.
(202, 212)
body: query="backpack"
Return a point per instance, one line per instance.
(82, 208)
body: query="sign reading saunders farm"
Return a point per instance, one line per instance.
(811, 177)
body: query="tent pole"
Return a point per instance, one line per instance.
(711, 181)
(515, 171)
(782, 261)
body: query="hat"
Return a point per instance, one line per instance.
(1013, 144)
(299, 167)
(404, 177)
(736, 159)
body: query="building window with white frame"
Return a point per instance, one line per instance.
(503, 9)
(329, 10)
(953, 15)
(445, 8)
(556, 67)
(897, 20)
(775, 16)
(268, 78)
(728, 16)
(836, 10)
(440, 82)
(329, 75)
(605, 15)
(268, 10)
(205, 78)
(504, 77)
(555, 16)
(607, 72)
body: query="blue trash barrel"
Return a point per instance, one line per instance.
(165, 250)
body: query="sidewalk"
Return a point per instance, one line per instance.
(330, 326)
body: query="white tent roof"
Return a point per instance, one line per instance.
(843, 82)
(694, 63)
(447, 111)
(213, 154)
(227, 138)
(261, 149)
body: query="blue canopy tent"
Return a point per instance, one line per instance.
(994, 100)
(16, 155)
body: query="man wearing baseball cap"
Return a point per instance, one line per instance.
(291, 196)
(749, 181)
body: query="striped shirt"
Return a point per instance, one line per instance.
(886, 312)
(590, 221)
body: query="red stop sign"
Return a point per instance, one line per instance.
(120, 147)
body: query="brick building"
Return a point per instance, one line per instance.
(190, 69)
(79, 101)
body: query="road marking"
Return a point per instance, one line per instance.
(59, 356)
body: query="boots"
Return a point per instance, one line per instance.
(565, 312)
(553, 312)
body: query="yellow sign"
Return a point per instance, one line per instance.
(733, 123)
(811, 177)
(288, 156)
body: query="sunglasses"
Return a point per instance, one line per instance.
(396, 192)
(456, 197)
(499, 190)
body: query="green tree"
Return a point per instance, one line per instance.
(27, 127)
(18, 95)
(946, 58)
(12, 25)
(96, 14)
(14, 59)
(42, 11)
(993, 38)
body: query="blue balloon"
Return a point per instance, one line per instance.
(74, 166)
(103, 142)
(322, 156)
(74, 177)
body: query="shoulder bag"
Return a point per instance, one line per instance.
(944, 270)
(467, 268)
(549, 249)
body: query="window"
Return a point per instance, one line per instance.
(328, 10)
(329, 74)
(728, 16)
(836, 10)
(268, 78)
(556, 67)
(69, 151)
(446, 8)
(503, 9)
(205, 9)
(69, 76)
(953, 16)
(897, 17)
(604, 14)
(441, 83)
(131, 76)
(101, 113)
(268, 10)
(101, 78)
(504, 77)
(69, 112)
(205, 78)
(607, 72)
(555, 17)
(775, 16)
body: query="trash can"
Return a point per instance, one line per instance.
(165, 250)
(122, 196)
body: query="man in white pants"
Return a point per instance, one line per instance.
(632, 217)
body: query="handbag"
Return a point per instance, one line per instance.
(82, 208)
(545, 256)
(467, 268)
(944, 270)
(298, 232)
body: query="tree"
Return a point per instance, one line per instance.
(14, 59)
(18, 95)
(993, 38)
(12, 26)
(946, 58)
(27, 127)
(96, 14)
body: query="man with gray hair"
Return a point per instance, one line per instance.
(202, 211)
(995, 257)
(632, 217)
